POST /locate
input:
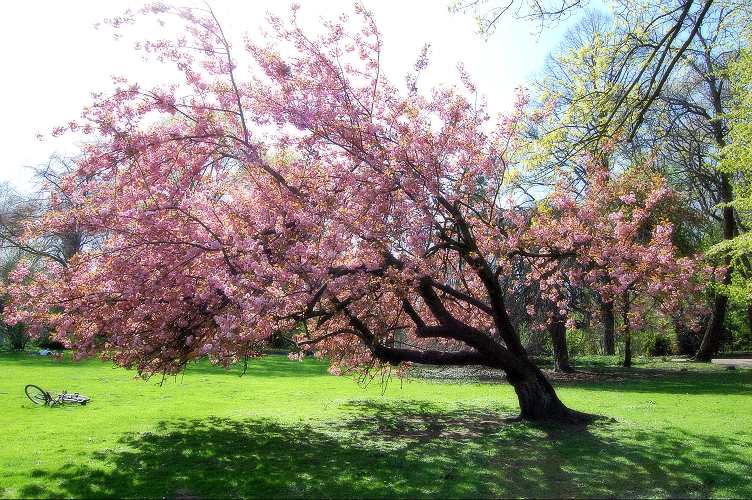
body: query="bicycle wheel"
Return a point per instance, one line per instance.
(37, 395)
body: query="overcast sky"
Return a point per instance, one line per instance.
(53, 58)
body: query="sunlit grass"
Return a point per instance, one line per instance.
(290, 429)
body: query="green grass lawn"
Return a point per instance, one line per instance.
(290, 429)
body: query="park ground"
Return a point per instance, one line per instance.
(288, 429)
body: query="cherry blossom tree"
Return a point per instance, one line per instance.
(619, 241)
(305, 194)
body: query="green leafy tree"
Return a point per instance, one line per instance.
(737, 164)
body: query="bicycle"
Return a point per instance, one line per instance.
(39, 396)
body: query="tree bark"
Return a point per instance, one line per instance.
(607, 318)
(558, 331)
(711, 341)
(627, 333)
(538, 400)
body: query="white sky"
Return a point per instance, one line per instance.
(53, 58)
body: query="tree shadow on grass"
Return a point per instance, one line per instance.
(404, 449)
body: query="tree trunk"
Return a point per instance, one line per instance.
(558, 331)
(711, 340)
(627, 333)
(627, 348)
(538, 400)
(607, 317)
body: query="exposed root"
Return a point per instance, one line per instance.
(566, 417)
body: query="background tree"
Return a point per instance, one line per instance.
(621, 245)
(42, 224)
(735, 165)
(691, 114)
(577, 89)
(38, 227)
(11, 211)
(658, 87)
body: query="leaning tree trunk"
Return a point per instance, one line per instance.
(502, 350)
(558, 331)
(607, 317)
(537, 398)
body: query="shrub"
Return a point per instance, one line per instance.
(659, 345)
(16, 336)
(582, 342)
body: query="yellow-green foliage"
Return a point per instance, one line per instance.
(738, 155)
(577, 97)
(737, 161)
